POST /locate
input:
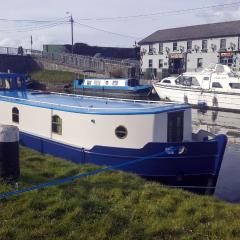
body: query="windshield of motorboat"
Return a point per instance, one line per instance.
(232, 74)
(187, 80)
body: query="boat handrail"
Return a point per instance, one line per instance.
(104, 98)
(74, 107)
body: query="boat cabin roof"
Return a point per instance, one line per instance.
(88, 105)
(107, 82)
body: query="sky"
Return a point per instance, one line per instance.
(51, 20)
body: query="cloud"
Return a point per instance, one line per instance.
(220, 14)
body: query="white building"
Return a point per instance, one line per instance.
(176, 50)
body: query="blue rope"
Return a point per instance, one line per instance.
(72, 178)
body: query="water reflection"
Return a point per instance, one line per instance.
(228, 185)
(218, 122)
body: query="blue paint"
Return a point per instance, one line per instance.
(81, 84)
(88, 105)
(72, 178)
(17, 81)
(194, 162)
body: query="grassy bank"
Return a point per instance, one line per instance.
(112, 205)
(47, 76)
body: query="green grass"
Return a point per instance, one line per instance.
(112, 205)
(47, 76)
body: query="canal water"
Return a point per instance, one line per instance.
(228, 185)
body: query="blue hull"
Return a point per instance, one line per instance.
(199, 165)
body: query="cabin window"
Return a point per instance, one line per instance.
(80, 82)
(106, 83)
(206, 78)
(234, 85)
(56, 124)
(5, 83)
(115, 83)
(121, 132)
(216, 85)
(19, 83)
(194, 81)
(97, 83)
(15, 115)
(89, 82)
(175, 127)
(167, 81)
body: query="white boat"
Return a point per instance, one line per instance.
(217, 88)
(111, 132)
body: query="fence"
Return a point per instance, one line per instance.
(85, 63)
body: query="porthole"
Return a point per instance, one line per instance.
(121, 132)
(15, 115)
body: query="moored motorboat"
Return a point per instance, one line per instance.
(110, 87)
(109, 132)
(217, 88)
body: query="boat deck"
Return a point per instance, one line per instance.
(88, 105)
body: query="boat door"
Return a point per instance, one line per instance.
(175, 126)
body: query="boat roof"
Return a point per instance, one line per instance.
(107, 79)
(89, 105)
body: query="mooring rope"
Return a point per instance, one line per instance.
(72, 178)
(105, 169)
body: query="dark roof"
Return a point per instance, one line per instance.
(222, 29)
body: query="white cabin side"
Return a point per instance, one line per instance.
(89, 130)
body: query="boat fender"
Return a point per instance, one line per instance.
(215, 101)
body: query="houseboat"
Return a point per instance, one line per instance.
(104, 131)
(217, 88)
(110, 87)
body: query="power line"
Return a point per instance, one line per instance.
(106, 31)
(167, 13)
(31, 20)
(34, 28)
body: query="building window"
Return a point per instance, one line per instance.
(56, 124)
(121, 132)
(199, 63)
(216, 85)
(160, 63)
(160, 47)
(189, 45)
(150, 63)
(223, 44)
(150, 48)
(204, 45)
(15, 115)
(175, 46)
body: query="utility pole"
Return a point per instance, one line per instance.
(72, 21)
(31, 43)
